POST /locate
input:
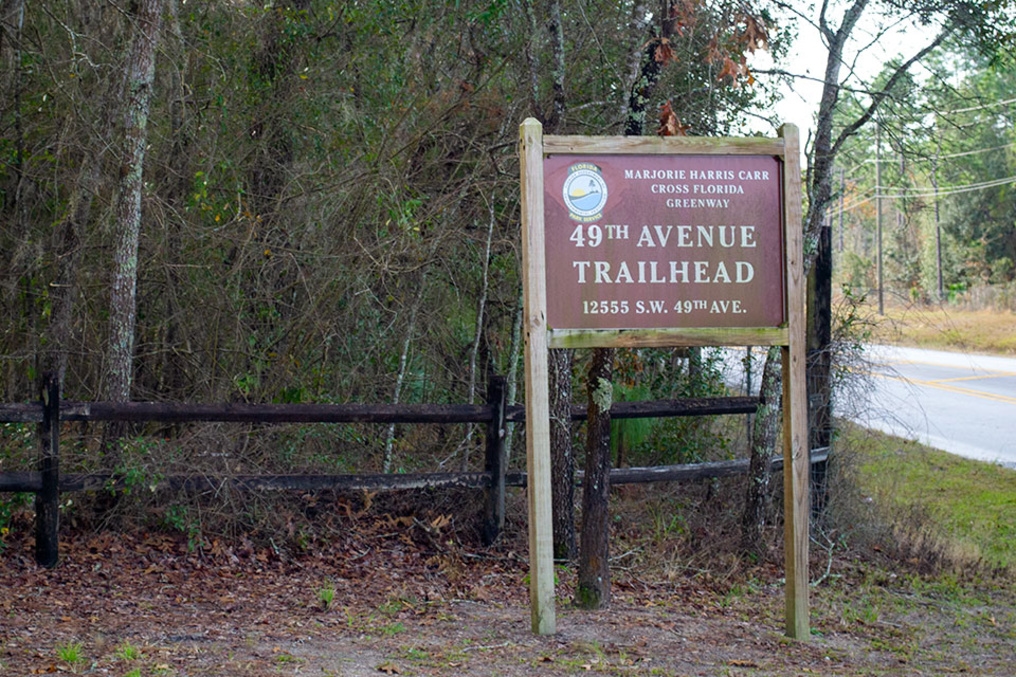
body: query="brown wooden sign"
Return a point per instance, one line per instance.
(638, 242)
(663, 241)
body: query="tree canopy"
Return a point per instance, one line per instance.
(329, 202)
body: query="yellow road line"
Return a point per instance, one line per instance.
(953, 389)
(916, 363)
(1000, 374)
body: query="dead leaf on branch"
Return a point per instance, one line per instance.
(755, 35)
(735, 71)
(683, 15)
(670, 125)
(664, 52)
(732, 48)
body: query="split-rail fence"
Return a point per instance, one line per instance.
(47, 483)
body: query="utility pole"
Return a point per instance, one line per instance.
(843, 188)
(900, 206)
(878, 212)
(938, 223)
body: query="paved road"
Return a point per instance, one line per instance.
(962, 403)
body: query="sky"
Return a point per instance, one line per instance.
(808, 58)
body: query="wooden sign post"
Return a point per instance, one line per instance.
(651, 242)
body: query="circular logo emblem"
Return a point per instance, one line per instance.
(585, 192)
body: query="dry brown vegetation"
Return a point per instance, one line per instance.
(947, 327)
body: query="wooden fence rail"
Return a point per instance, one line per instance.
(47, 483)
(173, 412)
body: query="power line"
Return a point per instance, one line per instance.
(944, 191)
(974, 152)
(952, 190)
(919, 158)
(854, 205)
(992, 104)
(973, 108)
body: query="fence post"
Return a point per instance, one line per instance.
(47, 501)
(493, 516)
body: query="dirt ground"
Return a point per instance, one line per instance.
(401, 598)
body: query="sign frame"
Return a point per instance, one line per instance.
(534, 147)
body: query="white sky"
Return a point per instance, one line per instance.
(808, 58)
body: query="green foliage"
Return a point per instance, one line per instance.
(128, 652)
(669, 521)
(975, 136)
(656, 374)
(18, 450)
(139, 458)
(10, 505)
(183, 519)
(852, 330)
(392, 629)
(326, 595)
(18, 445)
(626, 434)
(943, 147)
(71, 653)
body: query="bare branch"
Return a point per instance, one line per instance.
(879, 96)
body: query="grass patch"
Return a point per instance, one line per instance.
(938, 499)
(72, 654)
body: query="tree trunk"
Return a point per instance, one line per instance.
(758, 501)
(514, 355)
(562, 455)
(819, 363)
(556, 30)
(400, 379)
(127, 205)
(593, 589)
(272, 83)
(12, 16)
(272, 72)
(819, 185)
(481, 308)
(67, 255)
(172, 370)
(559, 363)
